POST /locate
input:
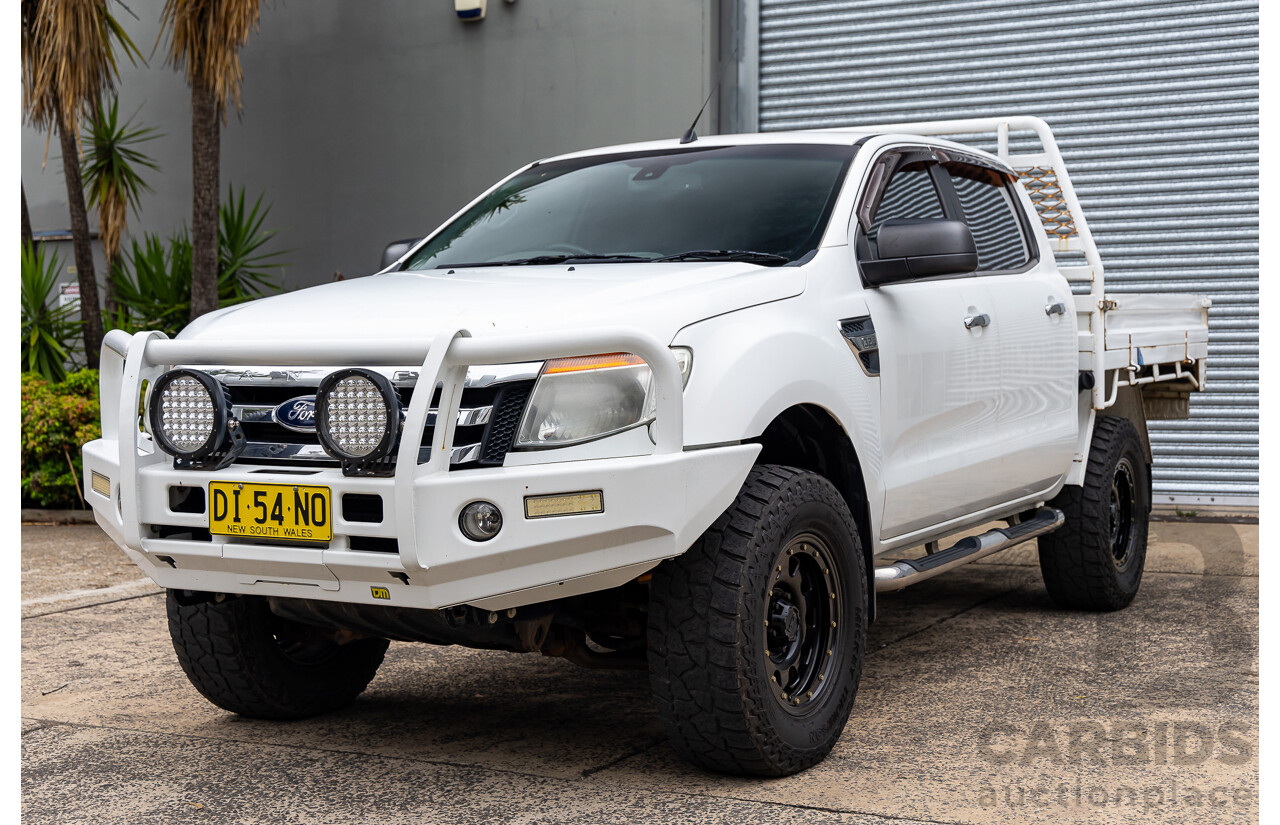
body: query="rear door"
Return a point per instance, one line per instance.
(1033, 316)
(940, 377)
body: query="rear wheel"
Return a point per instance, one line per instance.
(1095, 560)
(757, 633)
(245, 659)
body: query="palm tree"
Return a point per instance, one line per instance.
(111, 177)
(28, 237)
(68, 62)
(205, 37)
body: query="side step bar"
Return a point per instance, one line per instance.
(971, 548)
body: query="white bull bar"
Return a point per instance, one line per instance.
(130, 360)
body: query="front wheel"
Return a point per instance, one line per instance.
(1095, 560)
(757, 633)
(245, 659)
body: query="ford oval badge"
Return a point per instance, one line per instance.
(298, 414)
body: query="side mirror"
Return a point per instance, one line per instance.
(395, 251)
(919, 248)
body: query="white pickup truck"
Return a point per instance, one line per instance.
(661, 405)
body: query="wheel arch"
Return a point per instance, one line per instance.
(1128, 405)
(809, 437)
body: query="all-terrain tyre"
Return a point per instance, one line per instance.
(757, 634)
(1095, 560)
(245, 659)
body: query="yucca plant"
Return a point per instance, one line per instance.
(245, 270)
(154, 279)
(112, 177)
(49, 331)
(68, 62)
(153, 284)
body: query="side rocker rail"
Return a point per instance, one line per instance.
(903, 573)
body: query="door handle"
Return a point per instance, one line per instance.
(1058, 308)
(972, 321)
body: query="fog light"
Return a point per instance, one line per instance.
(480, 520)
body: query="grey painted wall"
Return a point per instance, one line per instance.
(374, 120)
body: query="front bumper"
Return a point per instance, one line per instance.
(655, 505)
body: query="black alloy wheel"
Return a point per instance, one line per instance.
(1123, 512)
(804, 625)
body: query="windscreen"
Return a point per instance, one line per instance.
(773, 199)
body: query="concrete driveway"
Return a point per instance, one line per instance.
(980, 702)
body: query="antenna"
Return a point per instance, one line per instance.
(690, 136)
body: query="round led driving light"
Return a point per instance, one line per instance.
(189, 413)
(480, 520)
(357, 415)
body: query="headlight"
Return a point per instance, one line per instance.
(587, 397)
(189, 414)
(357, 416)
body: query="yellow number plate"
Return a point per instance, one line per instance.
(270, 511)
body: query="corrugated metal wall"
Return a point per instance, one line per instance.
(1155, 106)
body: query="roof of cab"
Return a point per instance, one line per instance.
(817, 137)
(834, 137)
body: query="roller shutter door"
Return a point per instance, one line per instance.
(1155, 107)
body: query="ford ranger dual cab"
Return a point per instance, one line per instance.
(666, 405)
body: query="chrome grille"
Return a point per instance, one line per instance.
(481, 438)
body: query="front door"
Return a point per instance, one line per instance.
(939, 373)
(940, 385)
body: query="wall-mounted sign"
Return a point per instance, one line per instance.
(69, 295)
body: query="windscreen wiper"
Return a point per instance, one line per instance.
(744, 255)
(546, 260)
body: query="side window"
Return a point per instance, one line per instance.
(910, 194)
(989, 210)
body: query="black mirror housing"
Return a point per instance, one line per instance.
(920, 248)
(395, 251)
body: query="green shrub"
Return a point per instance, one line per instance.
(57, 418)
